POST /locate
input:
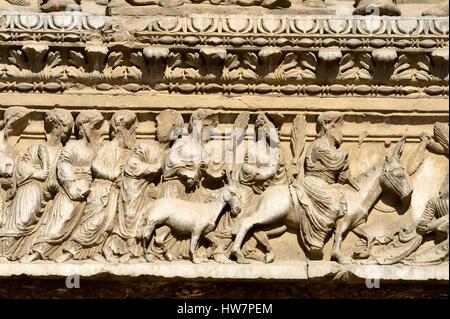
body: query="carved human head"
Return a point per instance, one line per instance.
(123, 127)
(395, 179)
(169, 125)
(15, 120)
(59, 122)
(441, 136)
(88, 125)
(202, 123)
(330, 124)
(266, 129)
(6, 165)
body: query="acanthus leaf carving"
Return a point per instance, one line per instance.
(412, 68)
(351, 68)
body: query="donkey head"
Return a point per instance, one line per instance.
(231, 193)
(395, 179)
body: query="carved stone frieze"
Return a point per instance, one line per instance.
(197, 190)
(285, 55)
(148, 138)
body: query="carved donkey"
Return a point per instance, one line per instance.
(276, 206)
(194, 219)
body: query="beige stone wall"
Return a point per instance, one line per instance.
(387, 76)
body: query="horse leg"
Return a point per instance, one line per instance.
(342, 227)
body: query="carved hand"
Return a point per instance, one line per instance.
(75, 193)
(40, 175)
(352, 183)
(425, 137)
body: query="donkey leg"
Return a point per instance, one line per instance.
(196, 259)
(361, 232)
(269, 211)
(244, 227)
(342, 228)
(148, 230)
(146, 235)
(262, 238)
(164, 231)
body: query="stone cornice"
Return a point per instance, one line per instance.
(225, 54)
(232, 30)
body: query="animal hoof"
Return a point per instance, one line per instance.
(199, 259)
(240, 257)
(269, 258)
(343, 260)
(149, 258)
(64, 257)
(125, 258)
(29, 258)
(168, 257)
(98, 258)
(222, 259)
(242, 260)
(363, 254)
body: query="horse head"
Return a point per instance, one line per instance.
(394, 179)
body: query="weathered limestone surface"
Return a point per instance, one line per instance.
(260, 141)
(278, 271)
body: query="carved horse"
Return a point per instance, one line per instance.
(188, 218)
(276, 206)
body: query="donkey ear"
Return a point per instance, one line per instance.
(228, 174)
(235, 173)
(398, 149)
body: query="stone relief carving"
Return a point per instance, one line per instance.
(60, 5)
(142, 176)
(308, 139)
(316, 204)
(23, 3)
(74, 176)
(376, 7)
(438, 10)
(249, 55)
(175, 3)
(229, 73)
(183, 195)
(404, 245)
(15, 119)
(36, 185)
